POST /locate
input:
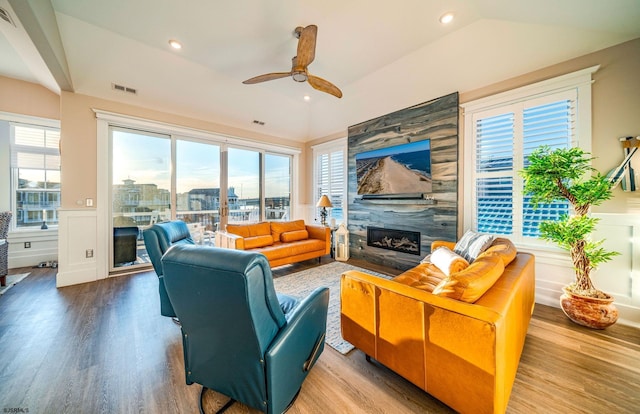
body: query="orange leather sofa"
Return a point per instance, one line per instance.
(464, 354)
(281, 242)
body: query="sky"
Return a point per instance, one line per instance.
(146, 159)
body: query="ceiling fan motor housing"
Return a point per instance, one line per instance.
(299, 76)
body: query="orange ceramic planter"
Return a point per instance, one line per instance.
(590, 312)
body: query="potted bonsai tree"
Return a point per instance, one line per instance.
(566, 174)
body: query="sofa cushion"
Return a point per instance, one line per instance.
(424, 276)
(447, 261)
(250, 230)
(295, 235)
(282, 250)
(279, 227)
(472, 244)
(258, 241)
(470, 284)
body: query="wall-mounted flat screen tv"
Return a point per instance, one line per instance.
(397, 170)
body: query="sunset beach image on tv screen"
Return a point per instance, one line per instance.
(400, 169)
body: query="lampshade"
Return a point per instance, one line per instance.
(324, 202)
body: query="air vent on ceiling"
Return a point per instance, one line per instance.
(4, 15)
(255, 121)
(123, 88)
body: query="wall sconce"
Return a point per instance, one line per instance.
(324, 202)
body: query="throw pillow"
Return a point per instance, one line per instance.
(474, 281)
(295, 235)
(279, 227)
(472, 244)
(447, 261)
(257, 241)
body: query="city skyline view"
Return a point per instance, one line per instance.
(146, 159)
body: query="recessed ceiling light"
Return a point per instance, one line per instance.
(175, 44)
(446, 18)
(307, 98)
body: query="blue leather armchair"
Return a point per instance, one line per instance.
(157, 240)
(239, 337)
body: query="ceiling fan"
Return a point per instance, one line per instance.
(306, 53)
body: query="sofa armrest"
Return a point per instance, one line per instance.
(376, 282)
(321, 233)
(438, 243)
(229, 240)
(318, 232)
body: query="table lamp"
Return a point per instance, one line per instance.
(324, 202)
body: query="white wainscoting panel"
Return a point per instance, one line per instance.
(619, 277)
(77, 234)
(43, 247)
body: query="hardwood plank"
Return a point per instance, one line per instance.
(103, 347)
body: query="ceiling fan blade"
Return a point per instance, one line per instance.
(267, 77)
(307, 45)
(324, 86)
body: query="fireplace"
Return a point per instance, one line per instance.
(397, 240)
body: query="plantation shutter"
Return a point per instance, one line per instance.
(551, 125)
(322, 174)
(337, 179)
(330, 177)
(494, 178)
(504, 138)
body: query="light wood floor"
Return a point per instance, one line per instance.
(103, 347)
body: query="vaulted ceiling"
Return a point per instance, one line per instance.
(383, 55)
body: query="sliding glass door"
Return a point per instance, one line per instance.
(277, 187)
(243, 172)
(198, 188)
(140, 191)
(159, 177)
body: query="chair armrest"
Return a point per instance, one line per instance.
(229, 240)
(295, 343)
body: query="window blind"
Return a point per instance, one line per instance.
(35, 148)
(503, 143)
(330, 180)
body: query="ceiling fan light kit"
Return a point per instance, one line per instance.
(306, 54)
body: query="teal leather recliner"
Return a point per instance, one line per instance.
(239, 337)
(157, 240)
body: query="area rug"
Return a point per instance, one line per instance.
(302, 283)
(11, 281)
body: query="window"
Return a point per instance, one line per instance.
(162, 172)
(277, 186)
(330, 177)
(504, 131)
(198, 185)
(35, 167)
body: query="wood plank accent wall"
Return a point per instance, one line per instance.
(436, 120)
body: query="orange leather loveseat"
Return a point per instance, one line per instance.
(461, 349)
(282, 242)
